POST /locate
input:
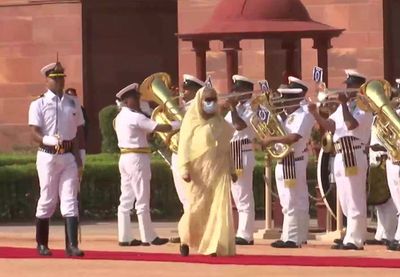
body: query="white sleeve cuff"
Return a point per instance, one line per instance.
(50, 140)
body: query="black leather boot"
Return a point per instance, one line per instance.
(72, 237)
(42, 236)
(66, 235)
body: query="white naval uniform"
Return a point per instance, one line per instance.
(242, 190)
(58, 173)
(351, 190)
(294, 199)
(386, 213)
(180, 184)
(393, 178)
(132, 129)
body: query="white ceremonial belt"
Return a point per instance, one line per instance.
(296, 159)
(350, 143)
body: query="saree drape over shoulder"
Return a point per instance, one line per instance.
(204, 152)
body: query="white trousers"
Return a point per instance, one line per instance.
(135, 186)
(295, 203)
(393, 177)
(386, 214)
(58, 178)
(178, 181)
(242, 194)
(352, 195)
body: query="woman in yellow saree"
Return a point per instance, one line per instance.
(205, 164)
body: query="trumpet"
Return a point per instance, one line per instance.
(323, 97)
(223, 96)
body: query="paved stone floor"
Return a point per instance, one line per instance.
(102, 236)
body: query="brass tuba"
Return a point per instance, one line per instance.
(156, 88)
(387, 123)
(266, 123)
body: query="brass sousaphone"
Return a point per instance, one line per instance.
(156, 88)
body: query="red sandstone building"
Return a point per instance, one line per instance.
(107, 44)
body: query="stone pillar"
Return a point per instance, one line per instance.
(274, 62)
(231, 48)
(292, 50)
(200, 47)
(322, 44)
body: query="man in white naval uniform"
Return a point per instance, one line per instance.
(350, 127)
(55, 119)
(386, 213)
(243, 158)
(132, 128)
(391, 222)
(190, 87)
(290, 172)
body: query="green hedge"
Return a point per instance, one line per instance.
(100, 188)
(109, 142)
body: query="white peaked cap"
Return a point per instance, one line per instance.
(297, 80)
(398, 81)
(47, 68)
(241, 78)
(290, 90)
(134, 86)
(187, 77)
(355, 73)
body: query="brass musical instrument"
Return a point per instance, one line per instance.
(266, 123)
(387, 123)
(223, 96)
(327, 142)
(156, 88)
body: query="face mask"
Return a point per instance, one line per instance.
(209, 107)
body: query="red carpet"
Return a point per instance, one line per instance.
(30, 253)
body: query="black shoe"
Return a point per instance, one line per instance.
(386, 242)
(375, 242)
(133, 242)
(278, 243)
(338, 241)
(42, 236)
(290, 244)
(351, 246)
(72, 249)
(394, 246)
(184, 250)
(337, 246)
(156, 241)
(284, 244)
(175, 240)
(43, 250)
(242, 241)
(213, 255)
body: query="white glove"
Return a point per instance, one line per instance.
(82, 153)
(175, 125)
(50, 140)
(119, 104)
